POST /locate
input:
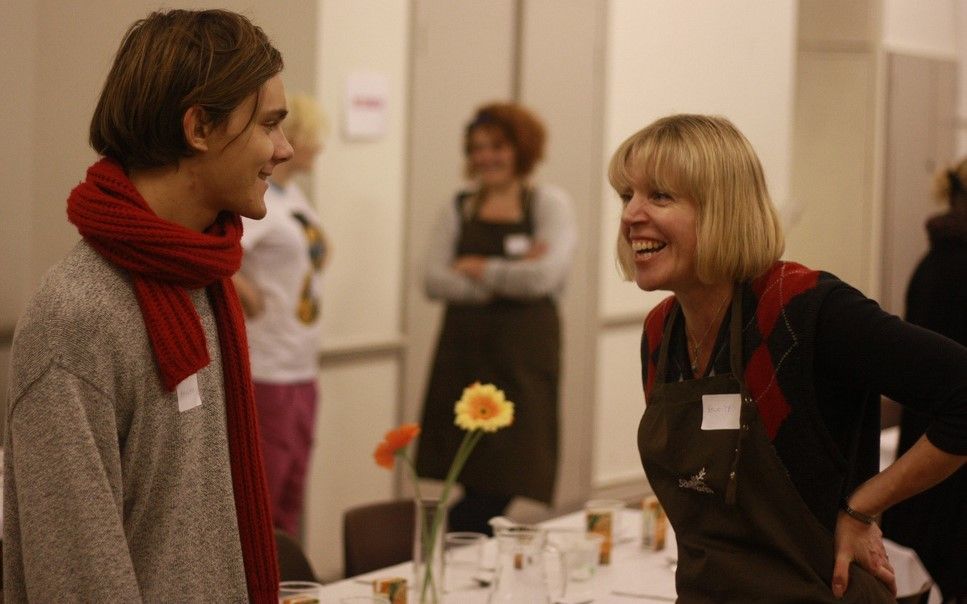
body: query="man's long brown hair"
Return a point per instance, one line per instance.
(171, 61)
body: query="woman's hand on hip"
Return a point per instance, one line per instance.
(921, 467)
(862, 543)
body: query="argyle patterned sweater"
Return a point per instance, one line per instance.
(779, 317)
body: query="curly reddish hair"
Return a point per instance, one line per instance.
(522, 129)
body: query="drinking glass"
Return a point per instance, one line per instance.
(462, 553)
(603, 516)
(299, 592)
(580, 552)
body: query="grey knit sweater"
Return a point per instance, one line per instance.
(111, 493)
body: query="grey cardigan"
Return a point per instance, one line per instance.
(553, 224)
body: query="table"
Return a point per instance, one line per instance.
(633, 570)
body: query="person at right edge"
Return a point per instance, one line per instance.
(762, 379)
(934, 523)
(499, 257)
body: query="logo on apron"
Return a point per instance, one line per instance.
(696, 483)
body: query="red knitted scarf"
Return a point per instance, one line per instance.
(164, 260)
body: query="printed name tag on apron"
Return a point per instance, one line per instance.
(188, 395)
(517, 244)
(721, 411)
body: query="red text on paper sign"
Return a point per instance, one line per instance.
(373, 103)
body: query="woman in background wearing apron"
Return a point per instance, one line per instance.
(762, 382)
(499, 257)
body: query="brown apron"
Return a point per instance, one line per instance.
(744, 533)
(514, 344)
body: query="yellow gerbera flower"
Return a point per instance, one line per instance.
(483, 407)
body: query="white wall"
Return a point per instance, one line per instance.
(960, 23)
(934, 29)
(359, 184)
(359, 188)
(921, 28)
(833, 170)
(19, 80)
(735, 59)
(19, 77)
(834, 141)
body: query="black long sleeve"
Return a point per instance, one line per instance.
(861, 347)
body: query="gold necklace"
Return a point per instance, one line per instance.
(697, 346)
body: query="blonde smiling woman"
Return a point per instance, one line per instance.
(762, 382)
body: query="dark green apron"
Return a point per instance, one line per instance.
(514, 344)
(744, 533)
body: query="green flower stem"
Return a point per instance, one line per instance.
(416, 479)
(470, 440)
(467, 445)
(426, 541)
(428, 544)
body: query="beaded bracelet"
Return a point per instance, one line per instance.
(864, 518)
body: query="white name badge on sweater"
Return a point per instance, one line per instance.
(517, 244)
(188, 395)
(721, 411)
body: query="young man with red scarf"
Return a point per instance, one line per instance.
(133, 469)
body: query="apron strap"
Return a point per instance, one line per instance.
(666, 333)
(746, 406)
(527, 207)
(735, 334)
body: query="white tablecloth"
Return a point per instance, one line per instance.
(889, 442)
(633, 570)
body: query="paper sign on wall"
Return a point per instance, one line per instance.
(366, 106)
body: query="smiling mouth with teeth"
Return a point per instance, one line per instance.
(644, 248)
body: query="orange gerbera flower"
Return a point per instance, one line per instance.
(394, 442)
(483, 408)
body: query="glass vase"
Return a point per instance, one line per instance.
(428, 530)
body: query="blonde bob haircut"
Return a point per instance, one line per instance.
(706, 159)
(306, 123)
